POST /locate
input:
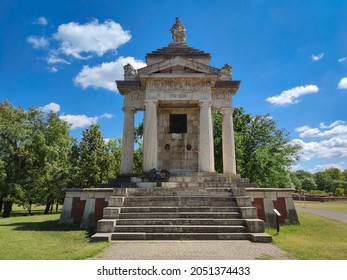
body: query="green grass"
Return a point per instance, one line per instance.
(338, 206)
(317, 238)
(41, 237)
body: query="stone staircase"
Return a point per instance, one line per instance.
(186, 208)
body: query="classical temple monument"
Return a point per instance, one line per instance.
(179, 195)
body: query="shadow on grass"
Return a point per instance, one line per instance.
(48, 226)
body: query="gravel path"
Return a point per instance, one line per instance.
(328, 214)
(191, 250)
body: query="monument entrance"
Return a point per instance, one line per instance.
(178, 90)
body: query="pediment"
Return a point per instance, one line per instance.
(178, 65)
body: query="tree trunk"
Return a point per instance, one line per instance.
(1, 204)
(48, 206)
(7, 209)
(56, 207)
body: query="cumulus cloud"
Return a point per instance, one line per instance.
(93, 37)
(336, 128)
(291, 96)
(317, 57)
(330, 140)
(342, 59)
(54, 107)
(322, 167)
(37, 42)
(343, 83)
(41, 21)
(80, 121)
(334, 147)
(104, 75)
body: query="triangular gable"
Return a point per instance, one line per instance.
(187, 64)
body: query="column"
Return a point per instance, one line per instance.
(206, 153)
(150, 136)
(229, 162)
(127, 158)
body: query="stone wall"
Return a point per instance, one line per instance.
(178, 151)
(266, 200)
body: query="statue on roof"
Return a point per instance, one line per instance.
(178, 32)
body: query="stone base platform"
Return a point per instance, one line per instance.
(194, 207)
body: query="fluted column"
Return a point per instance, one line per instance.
(127, 158)
(206, 153)
(229, 161)
(150, 136)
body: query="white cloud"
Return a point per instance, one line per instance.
(104, 75)
(306, 131)
(91, 37)
(336, 128)
(330, 140)
(336, 123)
(342, 59)
(322, 167)
(291, 96)
(41, 21)
(55, 60)
(334, 147)
(343, 83)
(37, 42)
(54, 107)
(296, 167)
(317, 57)
(80, 121)
(52, 69)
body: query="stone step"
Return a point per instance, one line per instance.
(180, 221)
(177, 215)
(181, 228)
(177, 209)
(180, 236)
(180, 191)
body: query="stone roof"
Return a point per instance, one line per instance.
(177, 49)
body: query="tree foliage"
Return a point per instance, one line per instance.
(264, 153)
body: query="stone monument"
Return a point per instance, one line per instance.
(178, 90)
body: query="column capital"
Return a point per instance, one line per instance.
(227, 111)
(151, 103)
(205, 103)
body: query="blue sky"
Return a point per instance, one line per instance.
(291, 58)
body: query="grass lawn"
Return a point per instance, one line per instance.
(41, 237)
(317, 238)
(338, 206)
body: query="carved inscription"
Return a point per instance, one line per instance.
(177, 86)
(221, 95)
(135, 96)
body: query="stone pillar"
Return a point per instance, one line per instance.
(127, 158)
(229, 162)
(206, 153)
(150, 137)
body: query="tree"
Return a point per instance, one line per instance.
(114, 148)
(309, 184)
(93, 158)
(14, 132)
(264, 153)
(324, 182)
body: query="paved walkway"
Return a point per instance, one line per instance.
(328, 214)
(192, 250)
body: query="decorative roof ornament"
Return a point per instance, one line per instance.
(178, 32)
(130, 73)
(225, 73)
